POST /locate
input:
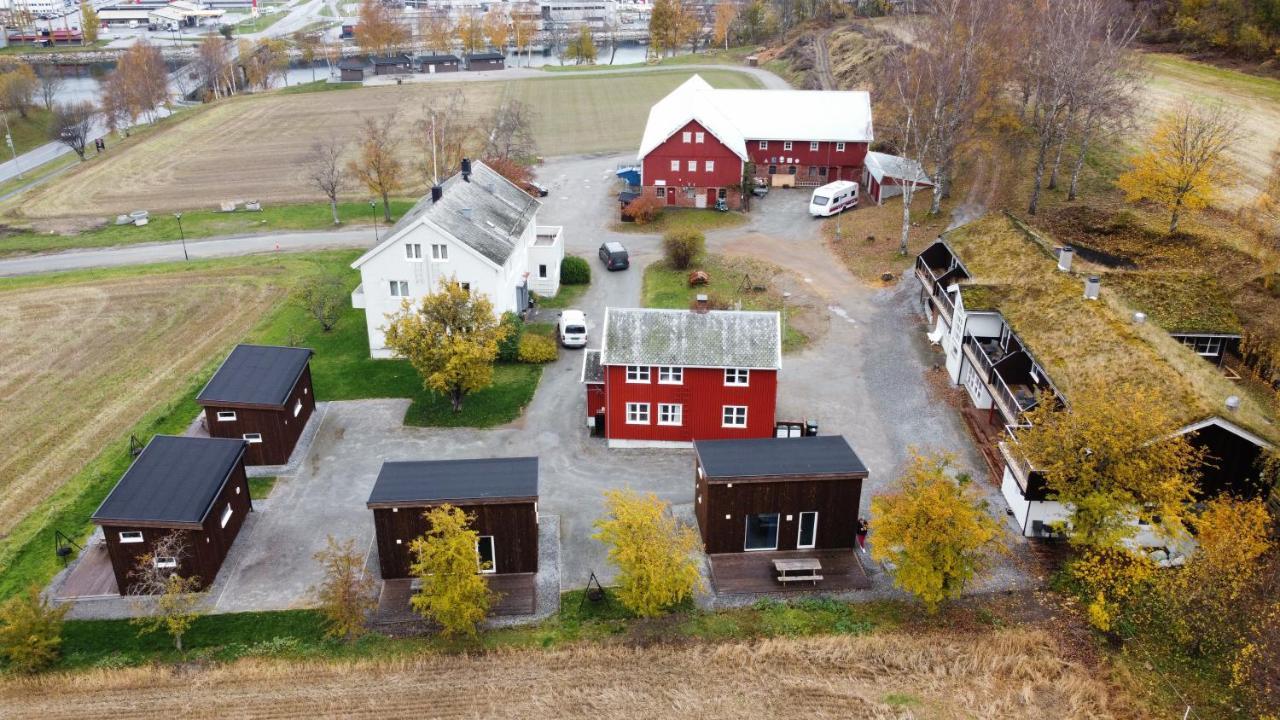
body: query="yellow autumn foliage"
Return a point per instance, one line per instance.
(654, 552)
(446, 563)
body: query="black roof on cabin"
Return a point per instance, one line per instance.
(175, 479)
(772, 457)
(400, 59)
(486, 56)
(256, 375)
(352, 63)
(437, 58)
(437, 481)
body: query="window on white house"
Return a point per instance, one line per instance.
(226, 416)
(226, 515)
(466, 287)
(297, 408)
(439, 252)
(413, 251)
(735, 416)
(637, 413)
(253, 438)
(764, 145)
(711, 165)
(786, 145)
(686, 136)
(693, 165)
(813, 146)
(131, 536)
(399, 288)
(737, 377)
(675, 166)
(839, 147)
(542, 271)
(485, 556)
(637, 373)
(164, 561)
(699, 137)
(670, 414)
(670, 375)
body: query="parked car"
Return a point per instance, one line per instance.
(614, 256)
(761, 188)
(572, 329)
(537, 188)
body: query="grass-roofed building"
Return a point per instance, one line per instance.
(1017, 328)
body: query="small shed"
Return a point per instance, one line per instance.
(400, 64)
(352, 69)
(486, 61)
(501, 494)
(195, 486)
(769, 494)
(593, 378)
(883, 176)
(432, 64)
(261, 394)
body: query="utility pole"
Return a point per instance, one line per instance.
(435, 170)
(8, 139)
(182, 235)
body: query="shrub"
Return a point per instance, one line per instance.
(509, 345)
(574, 271)
(537, 349)
(643, 210)
(30, 631)
(682, 247)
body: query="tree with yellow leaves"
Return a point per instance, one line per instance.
(378, 29)
(933, 530)
(437, 32)
(524, 26)
(1113, 457)
(497, 28)
(377, 165)
(1112, 580)
(346, 594)
(654, 552)
(30, 631)
(165, 599)
(451, 339)
(1186, 163)
(90, 23)
(470, 30)
(726, 14)
(446, 561)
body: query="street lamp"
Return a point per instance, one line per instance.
(8, 138)
(183, 236)
(373, 210)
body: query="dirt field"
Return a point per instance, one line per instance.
(83, 361)
(256, 146)
(1007, 674)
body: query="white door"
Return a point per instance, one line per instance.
(700, 200)
(431, 69)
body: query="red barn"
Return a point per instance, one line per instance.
(670, 377)
(698, 139)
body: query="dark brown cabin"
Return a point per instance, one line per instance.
(486, 61)
(501, 494)
(432, 64)
(352, 69)
(262, 394)
(777, 493)
(195, 486)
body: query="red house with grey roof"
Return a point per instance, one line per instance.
(664, 378)
(698, 141)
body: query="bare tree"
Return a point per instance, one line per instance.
(72, 124)
(377, 164)
(213, 66)
(509, 134)
(446, 134)
(51, 83)
(324, 296)
(326, 171)
(165, 598)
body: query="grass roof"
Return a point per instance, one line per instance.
(1178, 302)
(979, 298)
(1082, 343)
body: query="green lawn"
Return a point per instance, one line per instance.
(204, 223)
(317, 86)
(566, 298)
(684, 219)
(732, 56)
(260, 487)
(1165, 67)
(29, 132)
(61, 49)
(260, 23)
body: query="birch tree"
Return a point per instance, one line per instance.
(377, 164)
(326, 171)
(445, 134)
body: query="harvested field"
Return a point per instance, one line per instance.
(1006, 674)
(256, 147)
(84, 359)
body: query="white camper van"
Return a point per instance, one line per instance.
(833, 198)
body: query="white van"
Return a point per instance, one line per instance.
(573, 329)
(833, 198)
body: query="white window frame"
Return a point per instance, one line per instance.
(839, 147)
(399, 288)
(634, 410)
(130, 536)
(226, 416)
(710, 165)
(686, 136)
(699, 137)
(786, 145)
(227, 514)
(813, 145)
(297, 408)
(675, 166)
(730, 412)
(737, 377)
(670, 375)
(493, 552)
(693, 166)
(674, 413)
(638, 374)
(413, 252)
(800, 529)
(253, 438)
(764, 145)
(165, 562)
(439, 252)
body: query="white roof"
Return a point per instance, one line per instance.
(735, 117)
(881, 165)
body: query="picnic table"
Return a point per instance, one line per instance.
(798, 570)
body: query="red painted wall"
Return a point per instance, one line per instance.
(657, 164)
(703, 395)
(595, 399)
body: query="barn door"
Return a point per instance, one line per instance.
(671, 196)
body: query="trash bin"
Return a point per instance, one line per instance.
(810, 428)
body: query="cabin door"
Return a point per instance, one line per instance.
(671, 196)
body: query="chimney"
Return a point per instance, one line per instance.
(701, 304)
(466, 169)
(437, 192)
(1092, 286)
(1233, 403)
(1065, 256)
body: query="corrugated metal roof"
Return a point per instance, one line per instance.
(175, 479)
(430, 481)
(717, 338)
(763, 457)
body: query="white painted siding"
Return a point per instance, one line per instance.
(545, 254)
(1028, 512)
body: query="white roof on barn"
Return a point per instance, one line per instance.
(735, 117)
(882, 165)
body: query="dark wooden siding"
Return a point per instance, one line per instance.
(441, 67)
(703, 395)
(835, 501)
(279, 428)
(486, 64)
(514, 527)
(207, 548)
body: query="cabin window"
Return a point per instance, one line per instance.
(813, 146)
(484, 553)
(735, 416)
(226, 416)
(131, 536)
(637, 373)
(711, 165)
(699, 137)
(737, 377)
(637, 413)
(670, 375)
(762, 532)
(413, 251)
(839, 147)
(297, 408)
(542, 271)
(226, 515)
(165, 561)
(399, 288)
(670, 414)
(686, 136)
(764, 145)
(808, 535)
(786, 145)
(675, 166)
(439, 252)
(693, 166)
(253, 438)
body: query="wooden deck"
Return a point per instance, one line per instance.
(748, 573)
(517, 595)
(92, 576)
(986, 432)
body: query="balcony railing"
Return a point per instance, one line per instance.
(942, 299)
(1010, 406)
(1014, 458)
(925, 273)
